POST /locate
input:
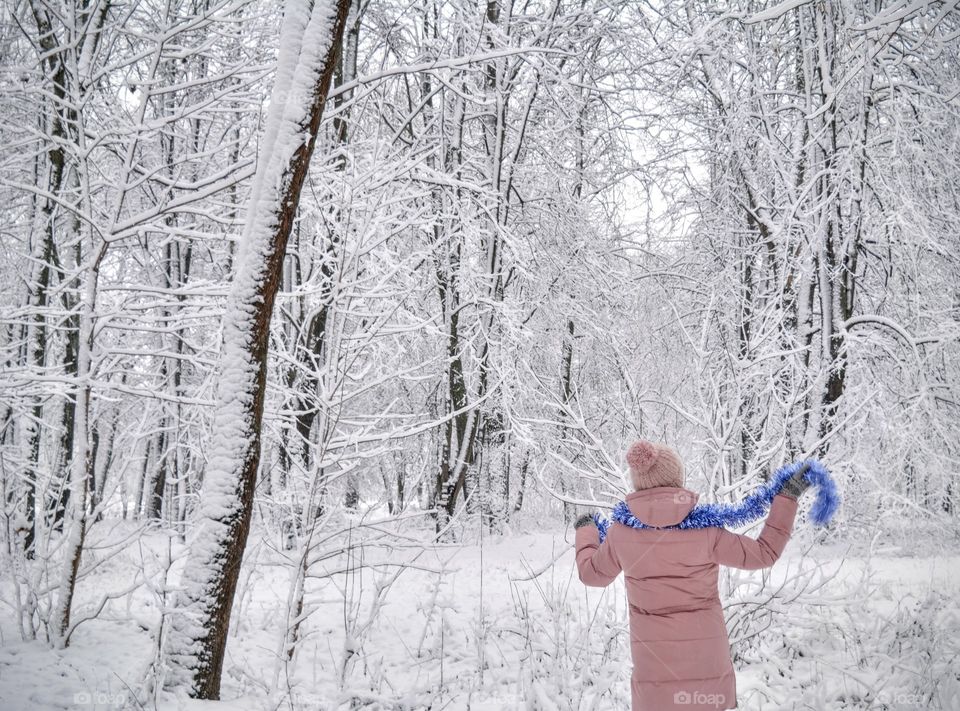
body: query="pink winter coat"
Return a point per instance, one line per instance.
(678, 638)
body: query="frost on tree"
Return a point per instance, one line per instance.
(196, 639)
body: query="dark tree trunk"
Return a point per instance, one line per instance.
(197, 639)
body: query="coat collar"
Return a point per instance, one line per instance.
(662, 505)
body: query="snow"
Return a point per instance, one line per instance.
(466, 629)
(776, 11)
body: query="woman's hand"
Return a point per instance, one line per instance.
(797, 484)
(584, 520)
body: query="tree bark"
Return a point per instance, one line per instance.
(309, 43)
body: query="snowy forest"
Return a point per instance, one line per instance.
(321, 321)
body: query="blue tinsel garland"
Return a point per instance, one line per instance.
(753, 507)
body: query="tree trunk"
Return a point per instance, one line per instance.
(81, 461)
(196, 642)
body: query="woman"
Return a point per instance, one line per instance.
(678, 638)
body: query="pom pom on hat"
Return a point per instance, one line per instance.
(641, 455)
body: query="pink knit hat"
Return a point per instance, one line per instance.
(654, 465)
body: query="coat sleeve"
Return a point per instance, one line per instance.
(597, 563)
(739, 551)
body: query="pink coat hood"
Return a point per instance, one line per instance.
(662, 505)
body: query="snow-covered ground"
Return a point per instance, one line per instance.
(474, 627)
